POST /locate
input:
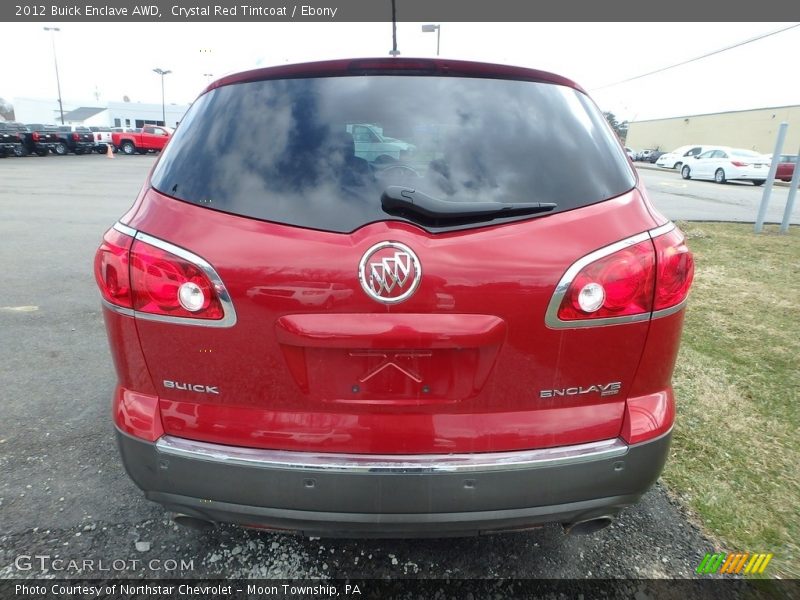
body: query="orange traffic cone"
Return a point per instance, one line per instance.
(109, 151)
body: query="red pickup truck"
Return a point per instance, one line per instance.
(150, 137)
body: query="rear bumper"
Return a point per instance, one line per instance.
(388, 496)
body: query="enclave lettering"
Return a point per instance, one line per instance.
(106, 11)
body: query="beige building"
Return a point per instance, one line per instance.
(752, 129)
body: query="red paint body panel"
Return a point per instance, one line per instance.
(369, 432)
(295, 290)
(126, 352)
(647, 417)
(390, 330)
(137, 414)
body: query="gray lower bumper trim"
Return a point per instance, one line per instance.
(391, 464)
(407, 500)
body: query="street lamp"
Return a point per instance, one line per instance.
(52, 31)
(162, 72)
(431, 29)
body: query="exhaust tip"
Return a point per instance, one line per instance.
(589, 526)
(193, 522)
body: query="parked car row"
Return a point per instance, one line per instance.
(723, 163)
(649, 155)
(20, 139)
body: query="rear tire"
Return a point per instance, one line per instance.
(686, 172)
(19, 151)
(60, 148)
(128, 148)
(758, 181)
(719, 176)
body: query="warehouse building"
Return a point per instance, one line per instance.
(111, 114)
(754, 129)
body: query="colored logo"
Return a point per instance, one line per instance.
(737, 563)
(389, 272)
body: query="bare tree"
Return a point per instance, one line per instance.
(621, 129)
(6, 110)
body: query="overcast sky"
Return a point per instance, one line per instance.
(114, 60)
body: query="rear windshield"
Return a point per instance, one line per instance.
(320, 152)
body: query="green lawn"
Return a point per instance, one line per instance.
(736, 451)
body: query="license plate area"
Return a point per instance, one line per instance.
(394, 376)
(401, 359)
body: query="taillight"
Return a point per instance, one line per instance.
(76, 137)
(111, 268)
(165, 284)
(617, 285)
(738, 163)
(675, 269)
(627, 281)
(97, 137)
(35, 136)
(137, 275)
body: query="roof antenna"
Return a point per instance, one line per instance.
(394, 51)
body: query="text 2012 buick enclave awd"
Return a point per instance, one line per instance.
(394, 297)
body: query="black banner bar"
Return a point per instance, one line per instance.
(407, 10)
(376, 589)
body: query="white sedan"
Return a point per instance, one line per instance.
(676, 158)
(723, 164)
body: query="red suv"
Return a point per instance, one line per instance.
(468, 330)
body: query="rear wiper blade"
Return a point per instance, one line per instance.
(400, 198)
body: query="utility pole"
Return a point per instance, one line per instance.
(162, 72)
(431, 29)
(52, 31)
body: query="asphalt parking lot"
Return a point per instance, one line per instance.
(693, 200)
(63, 492)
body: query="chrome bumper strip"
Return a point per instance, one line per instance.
(389, 463)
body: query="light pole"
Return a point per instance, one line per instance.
(431, 29)
(52, 31)
(162, 72)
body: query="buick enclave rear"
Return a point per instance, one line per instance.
(394, 297)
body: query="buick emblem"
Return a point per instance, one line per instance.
(389, 272)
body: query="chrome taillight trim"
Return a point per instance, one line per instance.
(229, 313)
(551, 316)
(390, 463)
(122, 228)
(665, 312)
(661, 230)
(128, 312)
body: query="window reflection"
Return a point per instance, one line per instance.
(319, 152)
